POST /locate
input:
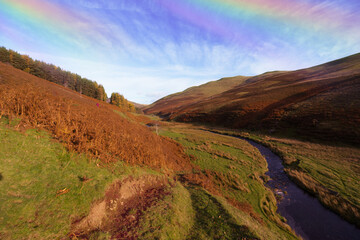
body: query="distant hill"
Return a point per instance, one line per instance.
(176, 101)
(321, 101)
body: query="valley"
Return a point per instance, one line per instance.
(79, 168)
(180, 120)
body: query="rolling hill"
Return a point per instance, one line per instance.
(320, 101)
(174, 102)
(74, 167)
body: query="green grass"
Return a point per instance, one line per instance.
(123, 115)
(171, 218)
(151, 117)
(33, 169)
(240, 166)
(336, 168)
(212, 220)
(330, 172)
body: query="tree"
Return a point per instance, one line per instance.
(4, 55)
(56, 75)
(115, 99)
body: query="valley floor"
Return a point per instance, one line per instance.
(50, 192)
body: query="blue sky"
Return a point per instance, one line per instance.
(147, 49)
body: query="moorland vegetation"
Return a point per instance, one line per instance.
(69, 159)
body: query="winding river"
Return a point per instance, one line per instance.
(304, 213)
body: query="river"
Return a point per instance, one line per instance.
(304, 213)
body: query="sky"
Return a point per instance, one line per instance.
(147, 49)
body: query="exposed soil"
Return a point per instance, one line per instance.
(119, 212)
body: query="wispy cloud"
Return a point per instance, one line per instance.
(146, 49)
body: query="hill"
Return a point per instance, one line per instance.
(83, 124)
(79, 168)
(176, 101)
(53, 74)
(320, 101)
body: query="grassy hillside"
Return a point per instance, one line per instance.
(53, 74)
(320, 102)
(83, 124)
(170, 104)
(48, 190)
(73, 167)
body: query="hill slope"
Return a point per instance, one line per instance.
(52, 192)
(321, 100)
(83, 124)
(174, 102)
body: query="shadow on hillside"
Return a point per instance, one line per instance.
(212, 221)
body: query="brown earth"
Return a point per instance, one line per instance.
(119, 212)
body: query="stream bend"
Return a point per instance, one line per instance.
(304, 213)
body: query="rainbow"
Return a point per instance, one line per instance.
(49, 20)
(230, 19)
(324, 18)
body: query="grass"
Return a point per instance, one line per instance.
(34, 169)
(213, 221)
(234, 168)
(48, 187)
(329, 172)
(45, 187)
(172, 218)
(83, 124)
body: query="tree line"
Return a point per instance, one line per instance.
(53, 74)
(67, 79)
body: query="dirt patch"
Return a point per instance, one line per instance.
(118, 213)
(204, 179)
(247, 208)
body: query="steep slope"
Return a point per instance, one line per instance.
(53, 74)
(83, 124)
(322, 100)
(174, 102)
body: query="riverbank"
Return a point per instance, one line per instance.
(304, 213)
(233, 173)
(330, 173)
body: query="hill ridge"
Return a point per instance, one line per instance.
(278, 100)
